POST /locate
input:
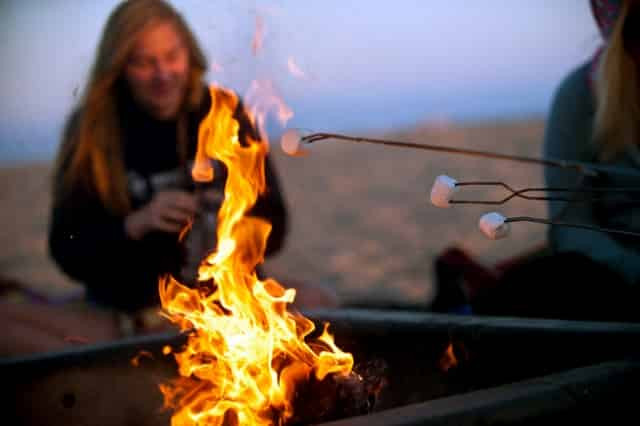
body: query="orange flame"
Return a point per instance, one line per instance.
(263, 97)
(246, 353)
(448, 359)
(135, 361)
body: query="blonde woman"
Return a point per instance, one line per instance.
(595, 117)
(122, 188)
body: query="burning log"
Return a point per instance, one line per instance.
(340, 396)
(336, 396)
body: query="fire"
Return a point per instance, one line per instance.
(448, 359)
(263, 97)
(246, 353)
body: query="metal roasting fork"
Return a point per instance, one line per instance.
(588, 169)
(571, 225)
(522, 193)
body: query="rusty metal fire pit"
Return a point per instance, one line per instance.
(509, 371)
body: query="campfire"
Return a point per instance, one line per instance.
(247, 355)
(244, 358)
(249, 359)
(438, 369)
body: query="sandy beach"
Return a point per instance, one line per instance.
(361, 220)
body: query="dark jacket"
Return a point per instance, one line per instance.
(89, 242)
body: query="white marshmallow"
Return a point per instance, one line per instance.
(291, 142)
(443, 189)
(493, 225)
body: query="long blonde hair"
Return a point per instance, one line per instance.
(90, 156)
(617, 118)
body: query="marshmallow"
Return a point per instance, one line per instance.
(443, 189)
(291, 142)
(494, 226)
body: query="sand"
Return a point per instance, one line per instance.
(361, 220)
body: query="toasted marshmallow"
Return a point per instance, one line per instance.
(291, 142)
(494, 226)
(443, 189)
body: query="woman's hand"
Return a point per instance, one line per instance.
(168, 211)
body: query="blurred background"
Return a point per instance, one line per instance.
(467, 74)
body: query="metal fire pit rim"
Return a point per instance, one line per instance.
(364, 321)
(537, 389)
(432, 321)
(104, 348)
(505, 404)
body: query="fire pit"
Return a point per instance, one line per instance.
(501, 370)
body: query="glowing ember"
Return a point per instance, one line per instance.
(448, 359)
(246, 353)
(294, 69)
(135, 361)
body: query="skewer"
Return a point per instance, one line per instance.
(295, 141)
(315, 137)
(521, 193)
(445, 187)
(495, 226)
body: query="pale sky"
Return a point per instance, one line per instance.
(372, 64)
